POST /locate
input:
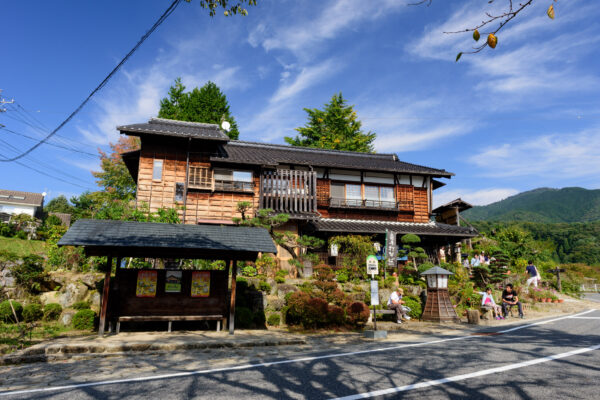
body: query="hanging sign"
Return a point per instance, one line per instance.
(200, 284)
(146, 284)
(377, 247)
(334, 250)
(372, 265)
(374, 293)
(391, 248)
(173, 281)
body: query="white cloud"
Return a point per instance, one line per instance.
(551, 156)
(404, 125)
(479, 197)
(303, 34)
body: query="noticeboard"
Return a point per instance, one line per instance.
(372, 265)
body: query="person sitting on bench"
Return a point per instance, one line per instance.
(509, 299)
(395, 303)
(487, 301)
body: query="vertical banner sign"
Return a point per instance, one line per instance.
(333, 250)
(173, 281)
(200, 283)
(146, 284)
(374, 293)
(392, 249)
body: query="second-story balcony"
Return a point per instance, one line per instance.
(363, 203)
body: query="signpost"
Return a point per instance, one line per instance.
(391, 248)
(373, 269)
(557, 271)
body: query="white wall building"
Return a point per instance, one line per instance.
(15, 202)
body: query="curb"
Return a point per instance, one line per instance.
(58, 352)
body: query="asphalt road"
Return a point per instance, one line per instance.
(592, 297)
(555, 359)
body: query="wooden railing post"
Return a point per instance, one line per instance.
(105, 293)
(233, 267)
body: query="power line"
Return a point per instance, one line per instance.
(162, 18)
(50, 143)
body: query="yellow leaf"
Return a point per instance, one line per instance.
(476, 35)
(550, 11)
(492, 40)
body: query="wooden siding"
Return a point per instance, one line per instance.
(200, 205)
(206, 205)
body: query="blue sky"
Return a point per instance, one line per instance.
(522, 116)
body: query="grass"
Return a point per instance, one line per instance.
(10, 340)
(22, 247)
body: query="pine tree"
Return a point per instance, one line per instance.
(207, 104)
(336, 127)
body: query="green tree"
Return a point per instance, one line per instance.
(336, 127)
(114, 176)
(59, 204)
(207, 104)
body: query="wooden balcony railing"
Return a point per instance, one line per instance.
(289, 191)
(356, 203)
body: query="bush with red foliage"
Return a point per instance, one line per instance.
(296, 305)
(315, 313)
(358, 313)
(336, 315)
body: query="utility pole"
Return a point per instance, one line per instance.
(2, 102)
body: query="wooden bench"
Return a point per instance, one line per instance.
(386, 311)
(171, 318)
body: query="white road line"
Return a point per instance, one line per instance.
(544, 322)
(585, 317)
(267, 364)
(467, 376)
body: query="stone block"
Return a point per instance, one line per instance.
(49, 297)
(473, 317)
(66, 317)
(72, 293)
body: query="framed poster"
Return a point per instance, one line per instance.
(146, 284)
(173, 281)
(200, 283)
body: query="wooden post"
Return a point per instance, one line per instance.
(105, 292)
(232, 303)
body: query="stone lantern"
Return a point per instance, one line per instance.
(438, 307)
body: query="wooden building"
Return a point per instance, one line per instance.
(196, 167)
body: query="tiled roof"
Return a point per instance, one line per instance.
(65, 218)
(273, 154)
(461, 204)
(26, 198)
(108, 233)
(169, 127)
(367, 226)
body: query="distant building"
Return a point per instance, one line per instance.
(65, 218)
(13, 202)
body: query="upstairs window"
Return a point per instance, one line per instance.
(228, 179)
(157, 170)
(200, 178)
(356, 195)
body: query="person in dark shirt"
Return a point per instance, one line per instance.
(534, 275)
(509, 299)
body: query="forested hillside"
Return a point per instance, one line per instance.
(542, 205)
(568, 243)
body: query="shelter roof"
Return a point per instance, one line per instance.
(25, 198)
(242, 152)
(169, 127)
(127, 238)
(461, 204)
(365, 226)
(437, 271)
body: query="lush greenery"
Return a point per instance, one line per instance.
(546, 205)
(32, 312)
(207, 104)
(336, 127)
(29, 273)
(84, 320)
(52, 311)
(560, 242)
(21, 247)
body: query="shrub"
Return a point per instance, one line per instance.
(52, 311)
(83, 320)
(415, 306)
(266, 264)
(32, 312)
(342, 276)
(249, 270)
(335, 315)
(81, 305)
(296, 303)
(279, 279)
(337, 297)
(280, 276)
(258, 319)
(274, 320)
(243, 317)
(30, 273)
(264, 286)
(6, 313)
(390, 282)
(315, 313)
(358, 313)
(21, 235)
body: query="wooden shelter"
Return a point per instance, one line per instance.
(149, 295)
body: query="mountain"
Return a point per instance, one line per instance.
(572, 204)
